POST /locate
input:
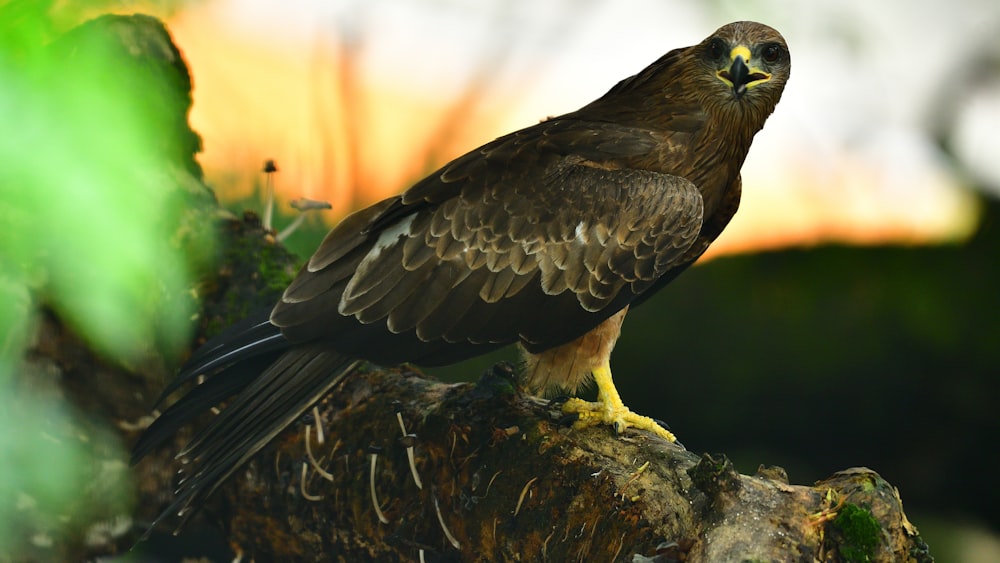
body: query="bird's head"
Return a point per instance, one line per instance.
(733, 79)
(744, 62)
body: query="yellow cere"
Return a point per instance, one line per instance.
(740, 51)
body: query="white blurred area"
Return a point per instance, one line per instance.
(357, 99)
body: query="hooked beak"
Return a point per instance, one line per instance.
(739, 76)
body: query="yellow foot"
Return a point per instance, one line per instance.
(609, 409)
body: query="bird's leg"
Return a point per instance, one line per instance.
(609, 409)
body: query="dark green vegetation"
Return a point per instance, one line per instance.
(860, 533)
(255, 271)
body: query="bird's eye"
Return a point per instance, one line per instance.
(771, 53)
(717, 48)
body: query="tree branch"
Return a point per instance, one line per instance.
(503, 480)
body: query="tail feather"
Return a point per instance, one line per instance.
(247, 339)
(269, 385)
(198, 400)
(250, 407)
(273, 401)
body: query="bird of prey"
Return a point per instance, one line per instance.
(544, 237)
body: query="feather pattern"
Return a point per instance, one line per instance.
(574, 245)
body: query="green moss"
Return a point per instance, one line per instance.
(249, 274)
(273, 268)
(271, 261)
(860, 533)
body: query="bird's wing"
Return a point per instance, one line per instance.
(538, 237)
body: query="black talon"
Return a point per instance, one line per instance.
(569, 418)
(662, 424)
(559, 400)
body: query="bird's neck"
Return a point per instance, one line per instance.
(721, 147)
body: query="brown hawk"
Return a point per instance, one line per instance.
(544, 237)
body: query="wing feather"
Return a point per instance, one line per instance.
(486, 251)
(434, 292)
(348, 235)
(416, 253)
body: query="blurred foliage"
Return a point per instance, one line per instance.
(91, 156)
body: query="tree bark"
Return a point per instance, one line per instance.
(494, 476)
(502, 480)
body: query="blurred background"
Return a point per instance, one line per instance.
(849, 314)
